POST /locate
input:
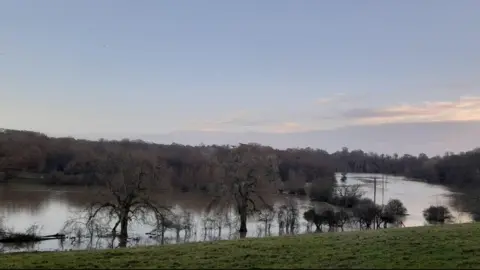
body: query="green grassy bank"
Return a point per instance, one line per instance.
(450, 246)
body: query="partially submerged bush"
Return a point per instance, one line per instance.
(19, 237)
(31, 234)
(394, 212)
(437, 215)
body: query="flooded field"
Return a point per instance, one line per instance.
(22, 206)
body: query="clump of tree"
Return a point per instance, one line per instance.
(333, 205)
(393, 213)
(337, 205)
(346, 196)
(437, 215)
(312, 217)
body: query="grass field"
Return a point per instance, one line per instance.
(450, 246)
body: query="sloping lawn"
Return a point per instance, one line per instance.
(449, 246)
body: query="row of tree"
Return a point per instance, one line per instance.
(460, 170)
(71, 161)
(344, 204)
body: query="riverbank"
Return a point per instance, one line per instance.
(449, 246)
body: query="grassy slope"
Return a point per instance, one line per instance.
(452, 246)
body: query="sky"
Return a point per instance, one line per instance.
(270, 66)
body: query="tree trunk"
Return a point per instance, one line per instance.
(163, 236)
(292, 225)
(123, 242)
(124, 227)
(243, 221)
(368, 225)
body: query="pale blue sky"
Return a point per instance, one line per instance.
(154, 66)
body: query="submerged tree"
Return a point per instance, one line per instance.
(266, 216)
(129, 190)
(312, 217)
(347, 196)
(247, 174)
(437, 215)
(344, 177)
(394, 212)
(288, 215)
(367, 213)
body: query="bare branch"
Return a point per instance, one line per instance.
(99, 207)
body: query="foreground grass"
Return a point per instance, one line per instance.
(452, 246)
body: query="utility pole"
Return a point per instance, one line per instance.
(375, 197)
(383, 190)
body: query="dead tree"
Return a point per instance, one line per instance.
(246, 175)
(130, 189)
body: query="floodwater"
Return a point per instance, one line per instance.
(50, 207)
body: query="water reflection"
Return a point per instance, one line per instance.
(51, 207)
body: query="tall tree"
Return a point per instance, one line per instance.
(247, 174)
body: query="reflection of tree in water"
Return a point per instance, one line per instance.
(467, 203)
(22, 246)
(32, 199)
(214, 222)
(175, 223)
(14, 201)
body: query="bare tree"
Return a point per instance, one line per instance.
(291, 214)
(131, 187)
(347, 196)
(246, 174)
(266, 216)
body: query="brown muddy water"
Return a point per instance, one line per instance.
(50, 207)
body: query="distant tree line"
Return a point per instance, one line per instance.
(461, 170)
(70, 161)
